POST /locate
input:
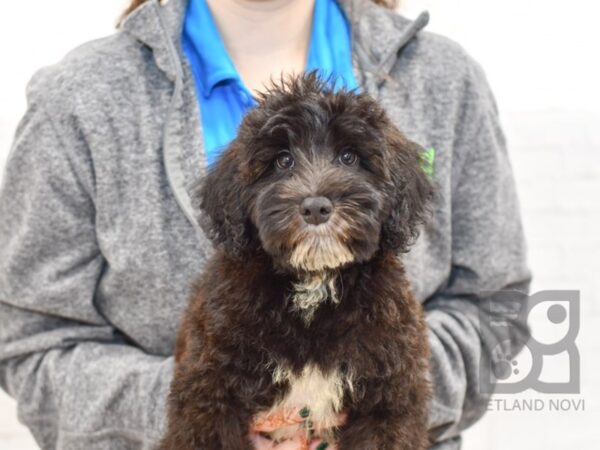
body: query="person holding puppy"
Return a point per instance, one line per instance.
(100, 240)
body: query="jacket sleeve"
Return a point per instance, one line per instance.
(77, 381)
(479, 317)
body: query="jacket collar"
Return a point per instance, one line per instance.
(378, 34)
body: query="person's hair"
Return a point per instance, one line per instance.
(392, 4)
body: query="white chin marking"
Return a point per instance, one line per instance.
(316, 253)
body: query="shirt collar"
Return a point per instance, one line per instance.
(202, 36)
(203, 42)
(330, 50)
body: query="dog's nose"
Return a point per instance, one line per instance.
(316, 210)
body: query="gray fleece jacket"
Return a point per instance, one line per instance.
(99, 241)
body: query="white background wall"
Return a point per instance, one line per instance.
(541, 57)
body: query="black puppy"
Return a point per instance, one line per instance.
(305, 305)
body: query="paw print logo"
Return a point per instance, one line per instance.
(504, 368)
(549, 362)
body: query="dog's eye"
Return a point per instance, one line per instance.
(348, 158)
(284, 160)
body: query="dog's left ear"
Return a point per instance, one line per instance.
(411, 192)
(225, 219)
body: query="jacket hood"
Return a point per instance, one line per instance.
(378, 34)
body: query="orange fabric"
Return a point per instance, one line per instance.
(287, 417)
(279, 419)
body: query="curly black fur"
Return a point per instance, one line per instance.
(243, 322)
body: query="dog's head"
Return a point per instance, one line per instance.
(317, 179)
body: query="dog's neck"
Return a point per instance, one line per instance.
(312, 290)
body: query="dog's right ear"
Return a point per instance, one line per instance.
(224, 218)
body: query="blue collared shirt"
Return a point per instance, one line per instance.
(223, 97)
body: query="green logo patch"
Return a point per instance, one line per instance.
(428, 159)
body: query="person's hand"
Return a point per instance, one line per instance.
(297, 443)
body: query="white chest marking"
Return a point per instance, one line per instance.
(322, 394)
